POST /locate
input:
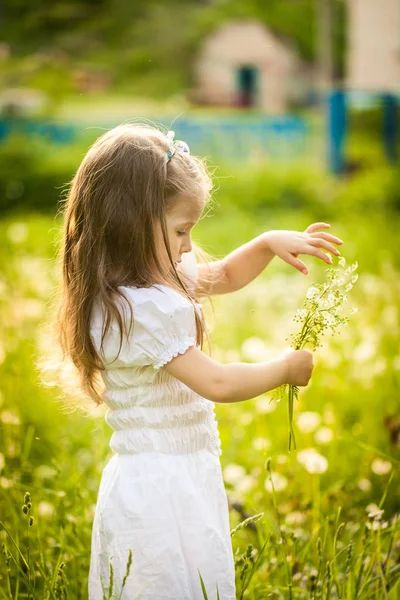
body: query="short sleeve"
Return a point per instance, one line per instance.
(163, 326)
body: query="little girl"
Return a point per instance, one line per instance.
(130, 312)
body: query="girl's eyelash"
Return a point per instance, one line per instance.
(181, 232)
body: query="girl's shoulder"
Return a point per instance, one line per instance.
(163, 323)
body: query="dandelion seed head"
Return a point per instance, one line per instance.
(264, 405)
(254, 348)
(233, 473)
(308, 421)
(281, 459)
(364, 484)
(312, 461)
(323, 435)
(17, 232)
(10, 418)
(45, 509)
(280, 482)
(45, 472)
(246, 484)
(260, 443)
(295, 518)
(381, 467)
(246, 418)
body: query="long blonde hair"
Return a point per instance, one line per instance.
(123, 186)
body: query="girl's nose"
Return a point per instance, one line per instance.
(187, 247)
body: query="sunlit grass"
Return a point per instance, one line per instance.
(320, 522)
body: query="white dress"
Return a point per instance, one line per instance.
(162, 493)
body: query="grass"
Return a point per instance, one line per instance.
(295, 534)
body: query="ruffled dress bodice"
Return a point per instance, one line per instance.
(149, 410)
(154, 412)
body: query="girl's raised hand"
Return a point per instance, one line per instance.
(289, 244)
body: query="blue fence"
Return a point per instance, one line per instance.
(282, 137)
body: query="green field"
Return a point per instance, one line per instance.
(328, 535)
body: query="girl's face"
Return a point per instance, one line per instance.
(181, 219)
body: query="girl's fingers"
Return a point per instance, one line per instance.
(320, 243)
(315, 226)
(297, 264)
(328, 236)
(321, 255)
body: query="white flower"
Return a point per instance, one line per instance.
(17, 232)
(312, 461)
(10, 418)
(312, 292)
(377, 525)
(45, 509)
(381, 467)
(353, 267)
(279, 481)
(264, 405)
(329, 414)
(364, 484)
(329, 319)
(308, 421)
(342, 261)
(374, 512)
(246, 484)
(295, 518)
(353, 311)
(254, 348)
(364, 351)
(233, 473)
(245, 418)
(45, 472)
(324, 435)
(260, 443)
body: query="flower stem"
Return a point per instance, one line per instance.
(290, 406)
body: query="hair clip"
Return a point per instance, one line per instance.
(175, 145)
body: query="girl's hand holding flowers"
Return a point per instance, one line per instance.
(289, 244)
(300, 364)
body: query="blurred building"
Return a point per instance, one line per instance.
(373, 58)
(243, 63)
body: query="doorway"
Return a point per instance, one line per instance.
(247, 77)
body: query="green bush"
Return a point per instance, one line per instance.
(34, 174)
(31, 174)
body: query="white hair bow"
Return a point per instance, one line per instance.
(175, 145)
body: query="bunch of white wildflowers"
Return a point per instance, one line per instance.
(322, 310)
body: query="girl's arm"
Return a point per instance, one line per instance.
(246, 262)
(236, 270)
(232, 382)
